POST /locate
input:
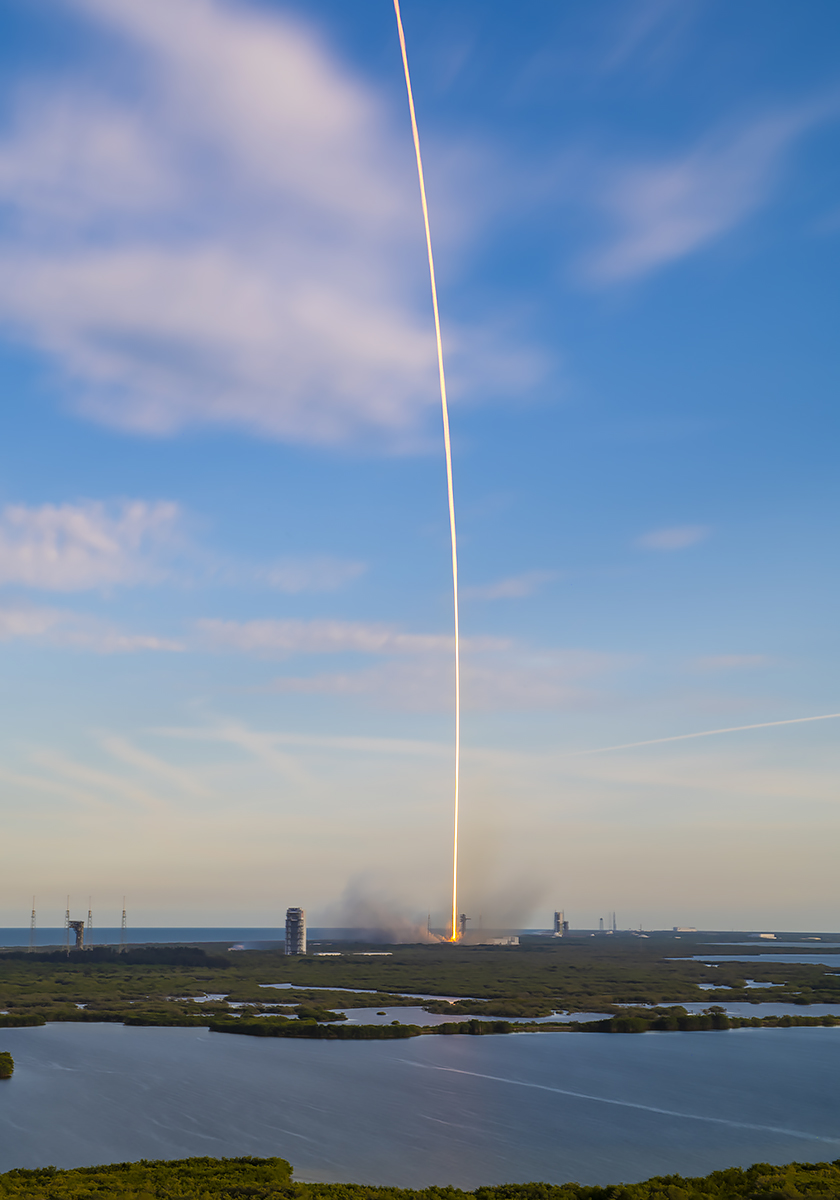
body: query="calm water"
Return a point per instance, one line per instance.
(770, 1009)
(819, 958)
(591, 1107)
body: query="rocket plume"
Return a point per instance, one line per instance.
(448, 449)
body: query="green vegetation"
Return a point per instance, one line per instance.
(309, 1012)
(172, 956)
(676, 1019)
(473, 1027)
(278, 1027)
(615, 975)
(520, 1007)
(271, 1179)
(191, 1178)
(7, 1065)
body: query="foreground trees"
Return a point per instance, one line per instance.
(271, 1179)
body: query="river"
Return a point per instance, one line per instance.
(596, 1108)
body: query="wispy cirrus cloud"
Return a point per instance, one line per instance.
(663, 211)
(93, 544)
(286, 637)
(414, 671)
(69, 630)
(74, 547)
(318, 573)
(674, 537)
(517, 679)
(229, 237)
(650, 32)
(514, 587)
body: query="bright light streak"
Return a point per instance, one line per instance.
(448, 448)
(684, 737)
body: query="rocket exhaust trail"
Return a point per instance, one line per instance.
(448, 448)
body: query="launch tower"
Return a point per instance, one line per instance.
(295, 931)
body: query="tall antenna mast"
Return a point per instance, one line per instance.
(123, 928)
(67, 928)
(90, 924)
(32, 928)
(448, 449)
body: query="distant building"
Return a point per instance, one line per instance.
(295, 931)
(685, 929)
(512, 940)
(561, 925)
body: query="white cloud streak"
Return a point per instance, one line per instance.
(83, 776)
(648, 33)
(510, 681)
(514, 587)
(73, 631)
(71, 547)
(315, 574)
(676, 537)
(96, 545)
(149, 764)
(663, 211)
(417, 675)
(325, 637)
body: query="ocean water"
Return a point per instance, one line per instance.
(596, 1108)
(110, 936)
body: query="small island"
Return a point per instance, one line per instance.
(7, 1065)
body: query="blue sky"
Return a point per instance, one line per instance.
(225, 611)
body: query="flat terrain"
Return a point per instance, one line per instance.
(542, 975)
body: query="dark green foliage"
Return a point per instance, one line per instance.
(490, 1008)
(7, 1065)
(15, 1020)
(677, 1019)
(473, 1027)
(308, 1012)
(169, 956)
(191, 1178)
(270, 1179)
(277, 1027)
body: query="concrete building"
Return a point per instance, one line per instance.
(295, 931)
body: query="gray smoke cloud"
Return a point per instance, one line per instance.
(377, 916)
(495, 895)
